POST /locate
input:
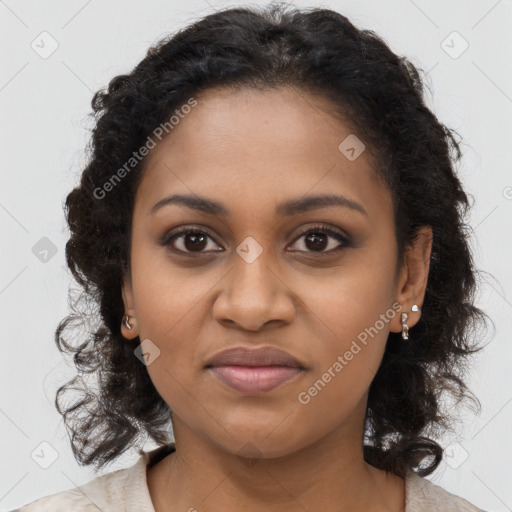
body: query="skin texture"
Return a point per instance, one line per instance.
(251, 150)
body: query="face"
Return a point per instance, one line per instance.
(318, 282)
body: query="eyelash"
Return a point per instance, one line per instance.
(320, 228)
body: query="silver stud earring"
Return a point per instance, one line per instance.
(126, 322)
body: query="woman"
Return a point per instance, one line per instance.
(272, 230)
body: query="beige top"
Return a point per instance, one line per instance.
(126, 490)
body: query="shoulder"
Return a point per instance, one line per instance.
(110, 492)
(422, 495)
(66, 500)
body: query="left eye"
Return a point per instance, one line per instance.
(318, 238)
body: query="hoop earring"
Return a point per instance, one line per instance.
(126, 321)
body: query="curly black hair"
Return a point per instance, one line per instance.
(381, 95)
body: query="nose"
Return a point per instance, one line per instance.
(254, 296)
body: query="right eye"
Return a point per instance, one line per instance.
(189, 241)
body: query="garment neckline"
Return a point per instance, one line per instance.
(136, 489)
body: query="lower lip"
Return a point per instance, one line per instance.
(254, 379)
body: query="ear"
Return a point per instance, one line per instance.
(412, 279)
(129, 308)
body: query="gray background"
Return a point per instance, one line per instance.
(44, 105)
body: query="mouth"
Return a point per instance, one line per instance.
(254, 370)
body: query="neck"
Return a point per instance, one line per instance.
(330, 474)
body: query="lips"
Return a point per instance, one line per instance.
(262, 356)
(254, 371)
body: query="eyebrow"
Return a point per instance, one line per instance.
(286, 209)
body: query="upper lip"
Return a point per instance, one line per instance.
(261, 356)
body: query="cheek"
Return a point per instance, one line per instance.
(350, 342)
(350, 316)
(168, 297)
(169, 303)
(349, 304)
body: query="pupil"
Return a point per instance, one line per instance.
(315, 237)
(195, 238)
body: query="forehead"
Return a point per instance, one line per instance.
(250, 148)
